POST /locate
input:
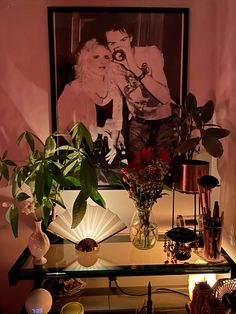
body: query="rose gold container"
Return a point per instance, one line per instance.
(188, 173)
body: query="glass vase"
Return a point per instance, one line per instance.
(38, 244)
(212, 243)
(143, 229)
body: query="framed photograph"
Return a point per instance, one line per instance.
(119, 71)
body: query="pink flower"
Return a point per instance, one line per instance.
(29, 208)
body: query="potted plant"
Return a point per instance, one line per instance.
(193, 129)
(48, 169)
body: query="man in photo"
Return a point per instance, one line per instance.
(140, 76)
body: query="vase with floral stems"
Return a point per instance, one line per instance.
(143, 229)
(144, 178)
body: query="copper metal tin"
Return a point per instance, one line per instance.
(188, 173)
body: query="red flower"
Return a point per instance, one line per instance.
(144, 155)
(133, 166)
(143, 177)
(164, 155)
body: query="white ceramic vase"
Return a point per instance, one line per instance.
(38, 244)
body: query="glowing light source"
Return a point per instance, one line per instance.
(98, 224)
(196, 278)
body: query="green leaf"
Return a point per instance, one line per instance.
(37, 138)
(50, 146)
(79, 133)
(212, 145)
(4, 155)
(47, 207)
(207, 111)
(9, 162)
(197, 119)
(66, 148)
(97, 198)
(86, 136)
(22, 196)
(77, 168)
(88, 177)
(4, 171)
(54, 170)
(14, 186)
(217, 132)
(190, 103)
(47, 180)
(79, 209)
(71, 181)
(30, 140)
(39, 184)
(59, 202)
(76, 136)
(65, 181)
(20, 137)
(188, 145)
(70, 163)
(14, 219)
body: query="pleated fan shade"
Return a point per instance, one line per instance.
(98, 224)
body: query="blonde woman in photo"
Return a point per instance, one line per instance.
(93, 98)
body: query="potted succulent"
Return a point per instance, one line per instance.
(193, 129)
(48, 169)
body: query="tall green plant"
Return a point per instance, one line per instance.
(48, 170)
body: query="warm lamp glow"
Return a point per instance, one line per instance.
(194, 279)
(98, 224)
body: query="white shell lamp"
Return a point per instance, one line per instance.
(39, 301)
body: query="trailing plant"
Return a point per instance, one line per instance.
(46, 171)
(193, 128)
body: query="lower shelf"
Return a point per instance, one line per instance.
(103, 301)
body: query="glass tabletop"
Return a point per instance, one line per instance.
(115, 257)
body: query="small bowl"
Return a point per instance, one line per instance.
(72, 308)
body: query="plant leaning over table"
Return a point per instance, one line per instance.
(193, 128)
(46, 172)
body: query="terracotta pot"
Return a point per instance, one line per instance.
(187, 174)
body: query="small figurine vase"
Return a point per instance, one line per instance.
(38, 244)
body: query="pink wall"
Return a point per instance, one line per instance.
(226, 97)
(25, 92)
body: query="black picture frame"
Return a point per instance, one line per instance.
(166, 28)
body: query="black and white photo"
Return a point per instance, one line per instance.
(120, 71)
